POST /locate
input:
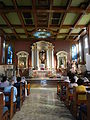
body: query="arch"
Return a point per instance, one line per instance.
(22, 59)
(61, 52)
(22, 53)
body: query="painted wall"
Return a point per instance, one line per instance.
(26, 46)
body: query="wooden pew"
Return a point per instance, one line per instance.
(19, 87)
(58, 87)
(86, 115)
(69, 96)
(10, 103)
(88, 105)
(3, 116)
(77, 101)
(28, 88)
(23, 90)
(63, 90)
(21, 95)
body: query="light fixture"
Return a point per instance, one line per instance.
(42, 33)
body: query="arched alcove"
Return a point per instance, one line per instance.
(22, 59)
(61, 59)
(42, 55)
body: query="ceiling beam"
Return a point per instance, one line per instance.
(9, 24)
(20, 16)
(50, 27)
(63, 18)
(54, 9)
(77, 21)
(51, 4)
(63, 34)
(34, 13)
(3, 34)
(82, 33)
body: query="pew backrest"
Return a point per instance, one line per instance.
(10, 102)
(88, 105)
(1, 106)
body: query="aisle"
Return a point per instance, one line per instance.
(42, 104)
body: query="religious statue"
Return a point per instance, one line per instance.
(42, 56)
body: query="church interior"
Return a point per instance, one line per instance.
(44, 59)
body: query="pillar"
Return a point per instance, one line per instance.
(37, 59)
(89, 38)
(1, 49)
(35, 56)
(52, 57)
(32, 57)
(47, 58)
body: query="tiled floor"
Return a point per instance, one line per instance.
(43, 104)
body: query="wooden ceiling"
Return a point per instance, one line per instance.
(65, 19)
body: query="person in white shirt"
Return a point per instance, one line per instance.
(23, 80)
(8, 89)
(85, 79)
(76, 78)
(67, 79)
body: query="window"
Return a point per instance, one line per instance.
(86, 50)
(9, 55)
(86, 42)
(74, 52)
(79, 47)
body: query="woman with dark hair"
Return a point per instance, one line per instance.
(72, 83)
(4, 82)
(80, 87)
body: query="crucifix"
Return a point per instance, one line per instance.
(42, 56)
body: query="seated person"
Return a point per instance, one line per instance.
(85, 79)
(67, 79)
(8, 89)
(23, 80)
(17, 85)
(4, 82)
(72, 83)
(81, 89)
(76, 78)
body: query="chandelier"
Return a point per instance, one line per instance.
(42, 34)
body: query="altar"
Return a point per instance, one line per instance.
(42, 56)
(42, 73)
